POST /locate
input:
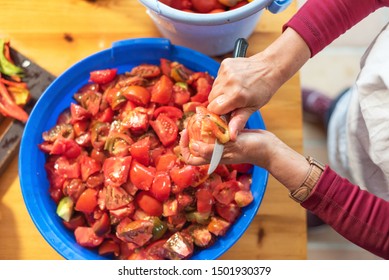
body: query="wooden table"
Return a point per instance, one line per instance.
(56, 34)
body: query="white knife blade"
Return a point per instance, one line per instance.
(239, 51)
(218, 150)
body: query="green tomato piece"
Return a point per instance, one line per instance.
(65, 208)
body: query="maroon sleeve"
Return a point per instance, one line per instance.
(320, 22)
(357, 215)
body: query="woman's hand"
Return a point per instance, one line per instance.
(258, 147)
(250, 83)
(251, 146)
(244, 85)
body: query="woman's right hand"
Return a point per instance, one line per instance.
(244, 85)
(251, 82)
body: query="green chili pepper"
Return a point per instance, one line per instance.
(7, 67)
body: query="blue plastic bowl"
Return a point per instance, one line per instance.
(34, 185)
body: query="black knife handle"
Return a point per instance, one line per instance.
(240, 48)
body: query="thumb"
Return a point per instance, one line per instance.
(238, 121)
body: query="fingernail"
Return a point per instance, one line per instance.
(220, 100)
(194, 147)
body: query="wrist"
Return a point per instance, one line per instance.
(286, 165)
(288, 53)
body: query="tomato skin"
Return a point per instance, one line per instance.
(77, 220)
(149, 204)
(166, 129)
(206, 126)
(103, 76)
(166, 162)
(225, 192)
(109, 247)
(137, 94)
(140, 150)
(88, 166)
(205, 200)
(162, 90)
(204, 6)
(146, 71)
(165, 63)
(116, 170)
(79, 113)
(180, 94)
(172, 112)
(141, 176)
(183, 177)
(228, 212)
(137, 121)
(86, 237)
(102, 226)
(160, 189)
(87, 202)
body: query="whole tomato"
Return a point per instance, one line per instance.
(204, 6)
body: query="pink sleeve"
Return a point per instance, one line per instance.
(357, 215)
(320, 22)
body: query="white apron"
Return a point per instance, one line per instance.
(358, 131)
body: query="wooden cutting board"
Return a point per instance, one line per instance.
(11, 131)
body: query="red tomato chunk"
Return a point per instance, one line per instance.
(115, 169)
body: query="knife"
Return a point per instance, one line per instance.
(240, 49)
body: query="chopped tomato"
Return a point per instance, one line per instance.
(109, 247)
(172, 112)
(116, 170)
(87, 202)
(225, 192)
(183, 177)
(141, 176)
(86, 237)
(160, 189)
(149, 204)
(137, 121)
(79, 113)
(228, 212)
(88, 166)
(243, 198)
(102, 226)
(166, 129)
(140, 150)
(146, 71)
(116, 197)
(181, 93)
(155, 250)
(77, 220)
(102, 76)
(166, 162)
(205, 200)
(137, 94)
(114, 154)
(162, 90)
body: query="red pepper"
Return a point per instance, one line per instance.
(8, 107)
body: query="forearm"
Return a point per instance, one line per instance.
(357, 215)
(286, 165)
(287, 54)
(320, 22)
